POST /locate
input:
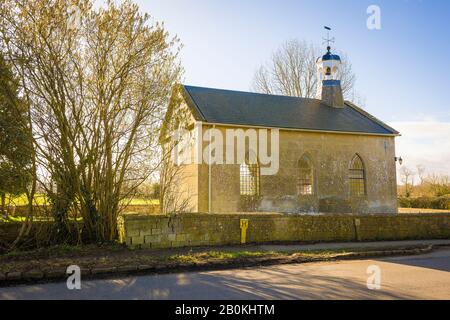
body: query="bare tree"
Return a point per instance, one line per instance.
(421, 172)
(439, 184)
(98, 83)
(406, 175)
(292, 71)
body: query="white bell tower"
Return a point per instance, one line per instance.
(329, 85)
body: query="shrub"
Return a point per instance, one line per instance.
(404, 202)
(440, 203)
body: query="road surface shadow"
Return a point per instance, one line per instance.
(292, 285)
(273, 282)
(439, 259)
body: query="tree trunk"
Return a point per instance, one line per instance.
(3, 205)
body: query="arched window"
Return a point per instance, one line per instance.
(305, 176)
(249, 178)
(357, 177)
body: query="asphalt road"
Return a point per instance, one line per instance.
(409, 277)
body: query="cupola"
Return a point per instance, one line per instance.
(329, 84)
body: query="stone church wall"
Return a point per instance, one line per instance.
(331, 154)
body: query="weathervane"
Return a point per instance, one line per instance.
(328, 40)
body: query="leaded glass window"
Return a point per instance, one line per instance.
(357, 177)
(249, 179)
(305, 176)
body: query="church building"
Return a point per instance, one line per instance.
(332, 156)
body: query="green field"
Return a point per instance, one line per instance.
(142, 202)
(40, 199)
(22, 200)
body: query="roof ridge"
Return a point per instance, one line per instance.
(251, 92)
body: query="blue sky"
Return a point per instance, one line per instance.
(403, 70)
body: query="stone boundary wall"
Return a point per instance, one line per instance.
(37, 236)
(224, 229)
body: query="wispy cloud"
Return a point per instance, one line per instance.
(425, 142)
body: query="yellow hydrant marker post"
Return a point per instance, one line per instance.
(244, 227)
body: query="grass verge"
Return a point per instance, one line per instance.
(107, 260)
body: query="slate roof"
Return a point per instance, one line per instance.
(263, 110)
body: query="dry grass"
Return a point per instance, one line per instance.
(420, 210)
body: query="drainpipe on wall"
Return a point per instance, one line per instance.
(209, 175)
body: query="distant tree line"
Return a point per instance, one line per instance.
(421, 190)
